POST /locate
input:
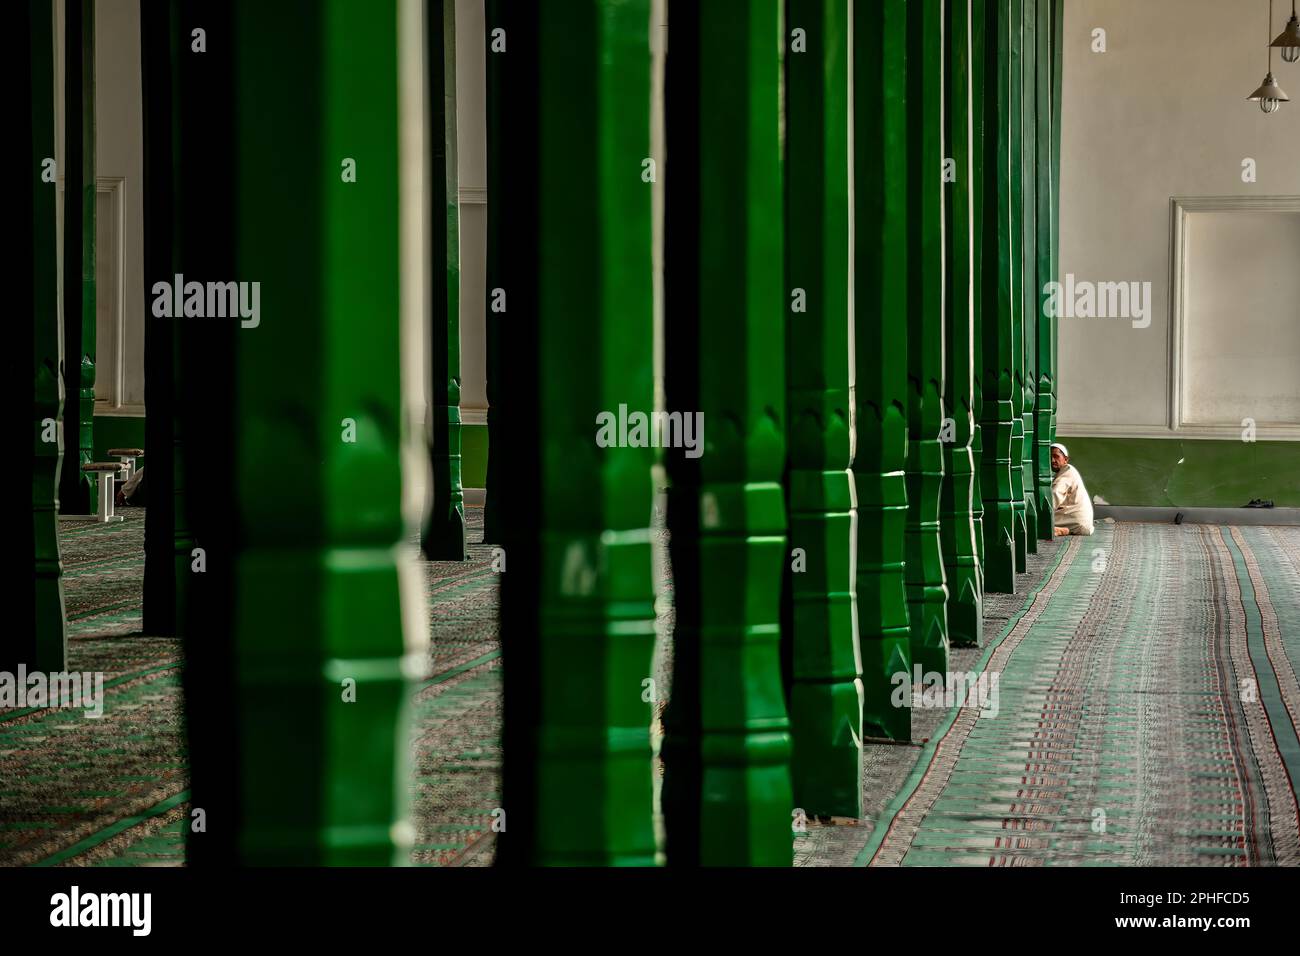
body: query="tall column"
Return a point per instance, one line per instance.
(1030, 290)
(168, 543)
(323, 616)
(578, 593)
(957, 520)
(1058, 27)
(77, 491)
(727, 793)
(38, 643)
(880, 392)
(975, 77)
(443, 535)
(495, 273)
(1045, 410)
(927, 591)
(1015, 159)
(998, 381)
(820, 612)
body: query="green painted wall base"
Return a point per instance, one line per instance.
(1189, 473)
(473, 455)
(118, 431)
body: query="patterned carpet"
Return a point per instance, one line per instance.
(112, 791)
(1148, 705)
(1148, 712)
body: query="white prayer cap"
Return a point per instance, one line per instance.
(1064, 451)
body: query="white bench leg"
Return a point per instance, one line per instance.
(106, 497)
(128, 466)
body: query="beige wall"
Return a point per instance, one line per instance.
(119, 158)
(471, 142)
(1163, 114)
(1239, 361)
(119, 168)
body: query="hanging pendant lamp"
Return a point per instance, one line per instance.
(1289, 39)
(1269, 96)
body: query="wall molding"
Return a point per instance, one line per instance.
(472, 195)
(1179, 208)
(1263, 431)
(110, 367)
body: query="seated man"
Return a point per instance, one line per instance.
(1069, 498)
(132, 490)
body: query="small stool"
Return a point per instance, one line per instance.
(106, 470)
(128, 457)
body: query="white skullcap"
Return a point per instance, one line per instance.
(1064, 451)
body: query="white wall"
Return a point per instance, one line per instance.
(119, 169)
(471, 142)
(119, 159)
(1161, 114)
(1239, 362)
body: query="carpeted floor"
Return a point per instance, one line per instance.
(112, 791)
(1148, 705)
(1147, 715)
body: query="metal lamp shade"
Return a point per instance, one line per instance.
(1289, 40)
(1270, 91)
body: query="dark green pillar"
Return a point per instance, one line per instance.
(443, 534)
(1045, 409)
(168, 543)
(880, 393)
(1015, 156)
(204, 391)
(578, 593)
(1030, 290)
(957, 519)
(975, 77)
(727, 793)
(324, 775)
(296, 648)
(1058, 27)
(927, 590)
(77, 491)
(39, 643)
(998, 380)
(821, 606)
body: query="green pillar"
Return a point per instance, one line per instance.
(297, 628)
(1015, 120)
(975, 78)
(1058, 27)
(578, 593)
(77, 491)
(39, 644)
(998, 380)
(957, 520)
(727, 793)
(168, 542)
(927, 590)
(821, 610)
(1028, 260)
(443, 534)
(1045, 410)
(880, 393)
